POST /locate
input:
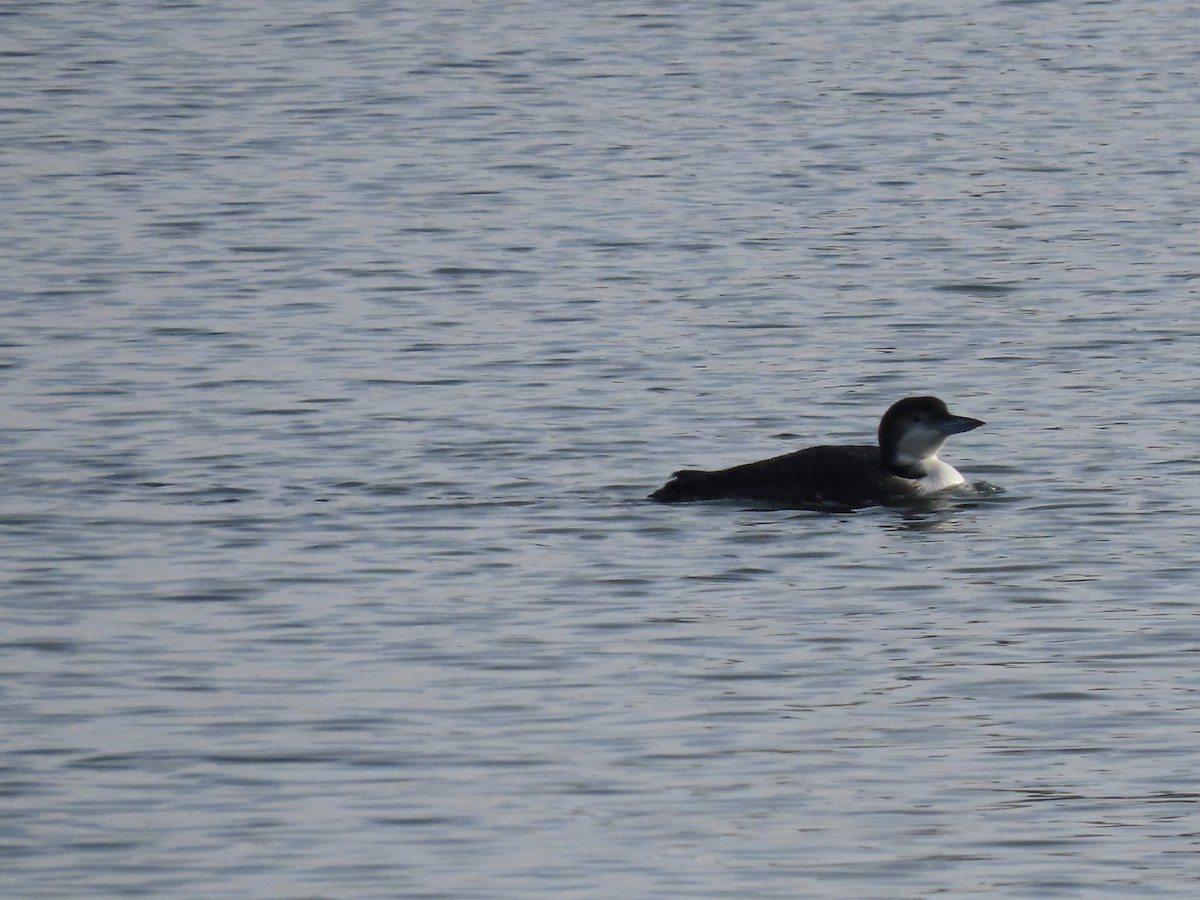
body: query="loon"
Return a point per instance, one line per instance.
(902, 468)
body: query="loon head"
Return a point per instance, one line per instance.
(912, 432)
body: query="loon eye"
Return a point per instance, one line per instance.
(916, 417)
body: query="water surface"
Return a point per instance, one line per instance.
(340, 351)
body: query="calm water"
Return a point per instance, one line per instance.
(340, 350)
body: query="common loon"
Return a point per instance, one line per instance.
(902, 468)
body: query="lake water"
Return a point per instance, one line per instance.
(341, 347)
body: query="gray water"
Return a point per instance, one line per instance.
(341, 347)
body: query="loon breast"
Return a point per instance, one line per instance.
(941, 475)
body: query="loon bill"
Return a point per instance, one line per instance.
(903, 467)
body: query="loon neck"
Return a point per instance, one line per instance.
(912, 462)
(906, 469)
(910, 466)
